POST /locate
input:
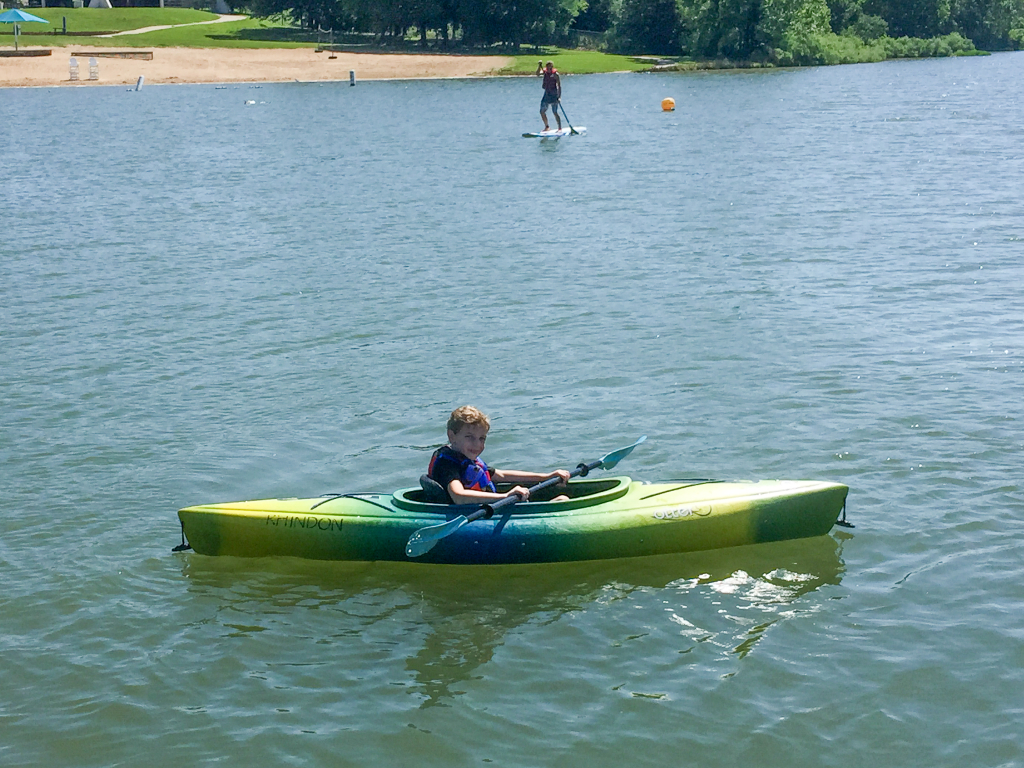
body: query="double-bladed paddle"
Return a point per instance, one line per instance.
(423, 540)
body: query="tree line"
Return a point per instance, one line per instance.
(767, 31)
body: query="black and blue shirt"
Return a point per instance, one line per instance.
(447, 464)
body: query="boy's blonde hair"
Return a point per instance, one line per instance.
(465, 415)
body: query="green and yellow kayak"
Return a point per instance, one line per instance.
(607, 518)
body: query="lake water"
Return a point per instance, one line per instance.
(808, 274)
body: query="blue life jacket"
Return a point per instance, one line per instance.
(474, 474)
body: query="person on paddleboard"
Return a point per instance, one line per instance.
(457, 468)
(552, 92)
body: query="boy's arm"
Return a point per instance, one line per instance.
(516, 476)
(462, 495)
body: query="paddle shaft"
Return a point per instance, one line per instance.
(488, 510)
(567, 117)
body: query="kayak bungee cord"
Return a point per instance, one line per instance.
(689, 484)
(357, 496)
(185, 546)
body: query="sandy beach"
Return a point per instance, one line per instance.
(227, 65)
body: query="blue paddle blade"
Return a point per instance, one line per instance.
(424, 539)
(615, 457)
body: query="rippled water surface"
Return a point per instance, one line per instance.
(798, 274)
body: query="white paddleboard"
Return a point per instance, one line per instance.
(554, 134)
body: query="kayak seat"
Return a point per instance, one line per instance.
(433, 493)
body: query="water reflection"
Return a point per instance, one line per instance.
(758, 603)
(444, 624)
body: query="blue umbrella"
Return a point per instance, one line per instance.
(16, 15)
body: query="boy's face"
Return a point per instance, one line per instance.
(469, 440)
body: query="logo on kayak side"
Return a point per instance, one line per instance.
(680, 513)
(304, 521)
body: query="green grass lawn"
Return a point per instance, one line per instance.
(248, 33)
(572, 62)
(112, 19)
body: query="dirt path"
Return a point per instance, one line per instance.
(219, 20)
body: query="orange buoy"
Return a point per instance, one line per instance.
(668, 105)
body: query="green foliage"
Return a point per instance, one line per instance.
(748, 32)
(805, 49)
(868, 27)
(842, 13)
(785, 19)
(648, 26)
(478, 23)
(990, 23)
(722, 28)
(791, 31)
(313, 14)
(953, 44)
(514, 22)
(829, 48)
(919, 18)
(597, 16)
(987, 23)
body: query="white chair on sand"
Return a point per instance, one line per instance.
(94, 69)
(74, 69)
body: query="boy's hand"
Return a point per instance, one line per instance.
(522, 492)
(563, 474)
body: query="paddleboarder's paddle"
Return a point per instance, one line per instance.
(571, 129)
(423, 540)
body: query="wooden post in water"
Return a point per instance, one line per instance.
(351, 77)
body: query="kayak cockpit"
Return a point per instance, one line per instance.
(581, 493)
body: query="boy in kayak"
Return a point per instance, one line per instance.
(552, 92)
(457, 468)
